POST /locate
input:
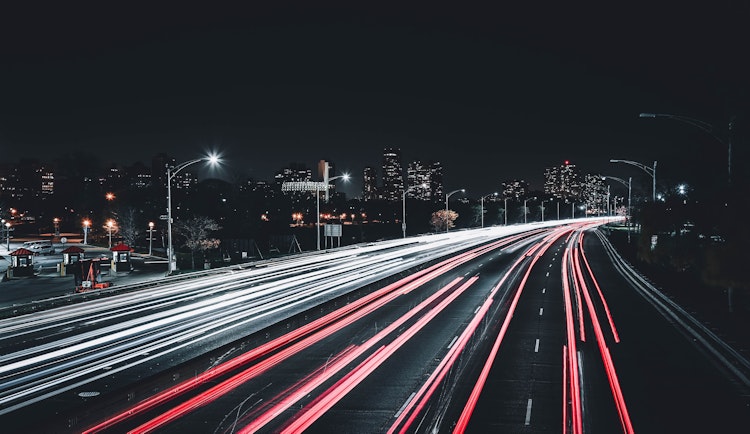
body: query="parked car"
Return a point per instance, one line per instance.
(44, 247)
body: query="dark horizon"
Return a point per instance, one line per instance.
(493, 93)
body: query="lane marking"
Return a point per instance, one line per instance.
(528, 412)
(541, 310)
(544, 290)
(455, 338)
(536, 346)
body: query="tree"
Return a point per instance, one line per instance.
(443, 220)
(196, 232)
(127, 224)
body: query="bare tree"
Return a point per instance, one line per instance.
(443, 220)
(127, 225)
(196, 232)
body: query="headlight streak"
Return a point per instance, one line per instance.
(123, 348)
(604, 350)
(179, 320)
(463, 420)
(723, 353)
(344, 386)
(238, 379)
(413, 280)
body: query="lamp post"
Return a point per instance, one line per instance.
(110, 223)
(525, 211)
(56, 223)
(86, 225)
(542, 210)
(706, 127)
(482, 204)
(505, 210)
(7, 236)
(650, 170)
(446, 206)
(150, 236)
(628, 185)
(171, 172)
(345, 177)
(403, 206)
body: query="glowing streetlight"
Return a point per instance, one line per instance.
(86, 226)
(403, 206)
(56, 223)
(150, 236)
(345, 177)
(171, 172)
(110, 224)
(447, 222)
(482, 204)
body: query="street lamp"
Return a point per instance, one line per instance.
(628, 185)
(345, 177)
(7, 236)
(446, 206)
(482, 204)
(171, 172)
(110, 223)
(505, 210)
(150, 236)
(86, 225)
(650, 170)
(403, 206)
(706, 127)
(56, 223)
(525, 211)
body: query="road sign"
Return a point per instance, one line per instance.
(163, 217)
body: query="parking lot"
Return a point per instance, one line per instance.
(48, 281)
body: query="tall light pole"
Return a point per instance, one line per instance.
(505, 210)
(110, 223)
(542, 210)
(171, 172)
(482, 204)
(447, 196)
(403, 206)
(86, 226)
(150, 236)
(345, 177)
(627, 184)
(706, 127)
(650, 170)
(525, 211)
(7, 236)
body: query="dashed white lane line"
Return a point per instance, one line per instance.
(528, 412)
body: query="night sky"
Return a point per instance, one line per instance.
(492, 92)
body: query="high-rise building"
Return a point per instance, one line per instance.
(515, 189)
(393, 176)
(418, 177)
(435, 192)
(562, 182)
(369, 184)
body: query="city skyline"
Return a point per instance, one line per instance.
(492, 93)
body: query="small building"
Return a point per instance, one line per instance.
(21, 263)
(121, 258)
(71, 255)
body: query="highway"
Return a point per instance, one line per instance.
(537, 328)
